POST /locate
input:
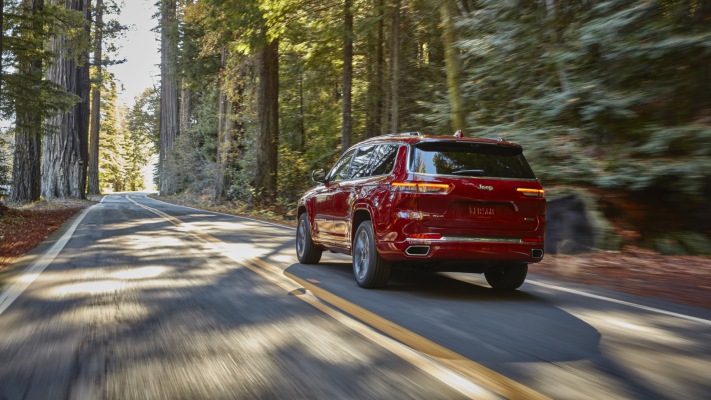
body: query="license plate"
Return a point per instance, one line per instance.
(481, 212)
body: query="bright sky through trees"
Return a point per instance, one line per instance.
(139, 48)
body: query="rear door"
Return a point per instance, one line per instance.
(494, 190)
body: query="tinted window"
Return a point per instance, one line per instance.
(384, 159)
(470, 159)
(360, 167)
(339, 171)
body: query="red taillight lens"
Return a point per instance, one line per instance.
(430, 236)
(532, 240)
(532, 192)
(422, 187)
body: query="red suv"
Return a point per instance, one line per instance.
(441, 203)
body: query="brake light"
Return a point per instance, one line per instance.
(422, 187)
(427, 236)
(532, 240)
(531, 192)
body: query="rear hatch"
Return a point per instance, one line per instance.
(491, 187)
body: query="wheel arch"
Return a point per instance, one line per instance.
(359, 215)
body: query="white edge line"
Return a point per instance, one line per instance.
(621, 302)
(25, 279)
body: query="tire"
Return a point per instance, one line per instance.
(369, 269)
(306, 250)
(507, 277)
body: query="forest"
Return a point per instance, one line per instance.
(611, 99)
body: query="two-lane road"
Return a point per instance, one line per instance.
(143, 299)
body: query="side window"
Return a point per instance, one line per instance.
(384, 159)
(361, 165)
(339, 171)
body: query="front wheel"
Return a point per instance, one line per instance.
(507, 277)
(369, 269)
(306, 250)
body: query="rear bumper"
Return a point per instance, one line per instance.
(463, 248)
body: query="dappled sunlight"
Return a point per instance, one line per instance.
(90, 288)
(638, 329)
(242, 251)
(140, 273)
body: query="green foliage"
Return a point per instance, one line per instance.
(126, 144)
(612, 93)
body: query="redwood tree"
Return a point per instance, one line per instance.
(169, 121)
(65, 151)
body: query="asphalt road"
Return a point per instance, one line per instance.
(139, 299)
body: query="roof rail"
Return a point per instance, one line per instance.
(403, 134)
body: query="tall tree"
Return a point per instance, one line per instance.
(395, 68)
(169, 101)
(93, 187)
(28, 128)
(452, 62)
(65, 153)
(347, 128)
(265, 178)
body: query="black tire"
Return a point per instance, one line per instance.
(306, 250)
(369, 269)
(507, 277)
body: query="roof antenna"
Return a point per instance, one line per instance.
(458, 134)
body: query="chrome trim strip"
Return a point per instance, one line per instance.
(467, 239)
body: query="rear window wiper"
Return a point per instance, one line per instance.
(469, 172)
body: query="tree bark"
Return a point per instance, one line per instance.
(169, 102)
(26, 171)
(379, 68)
(2, 30)
(96, 103)
(223, 135)
(395, 69)
(265, 179)
(65, 153)
(347, 128)
(453, 65)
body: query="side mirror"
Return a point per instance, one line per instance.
(318, 175)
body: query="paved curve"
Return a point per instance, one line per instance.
(150, 300)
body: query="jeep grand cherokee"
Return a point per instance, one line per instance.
(435, 202)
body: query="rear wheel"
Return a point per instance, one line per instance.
(507, 277)
(369, 269)
(306, 250)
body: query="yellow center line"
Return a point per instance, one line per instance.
(476, 372)
(468, 377)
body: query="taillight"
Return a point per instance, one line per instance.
(532, 240)
(531, 192)
(421, 187)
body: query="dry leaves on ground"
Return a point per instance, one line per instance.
(22, 229)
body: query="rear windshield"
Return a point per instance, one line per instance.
(469, 159)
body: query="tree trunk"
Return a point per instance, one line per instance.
(96, 103)
(347, 128)
(453, 65)
(26, 171)
(169, 102)
(65, 153)
(2, 31)
(223, 135)
(265, 179)
(395, 69)
(379, 68)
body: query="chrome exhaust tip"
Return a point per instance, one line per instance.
(537, 253)
(417, 251)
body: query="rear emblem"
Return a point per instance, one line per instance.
(482, 187)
